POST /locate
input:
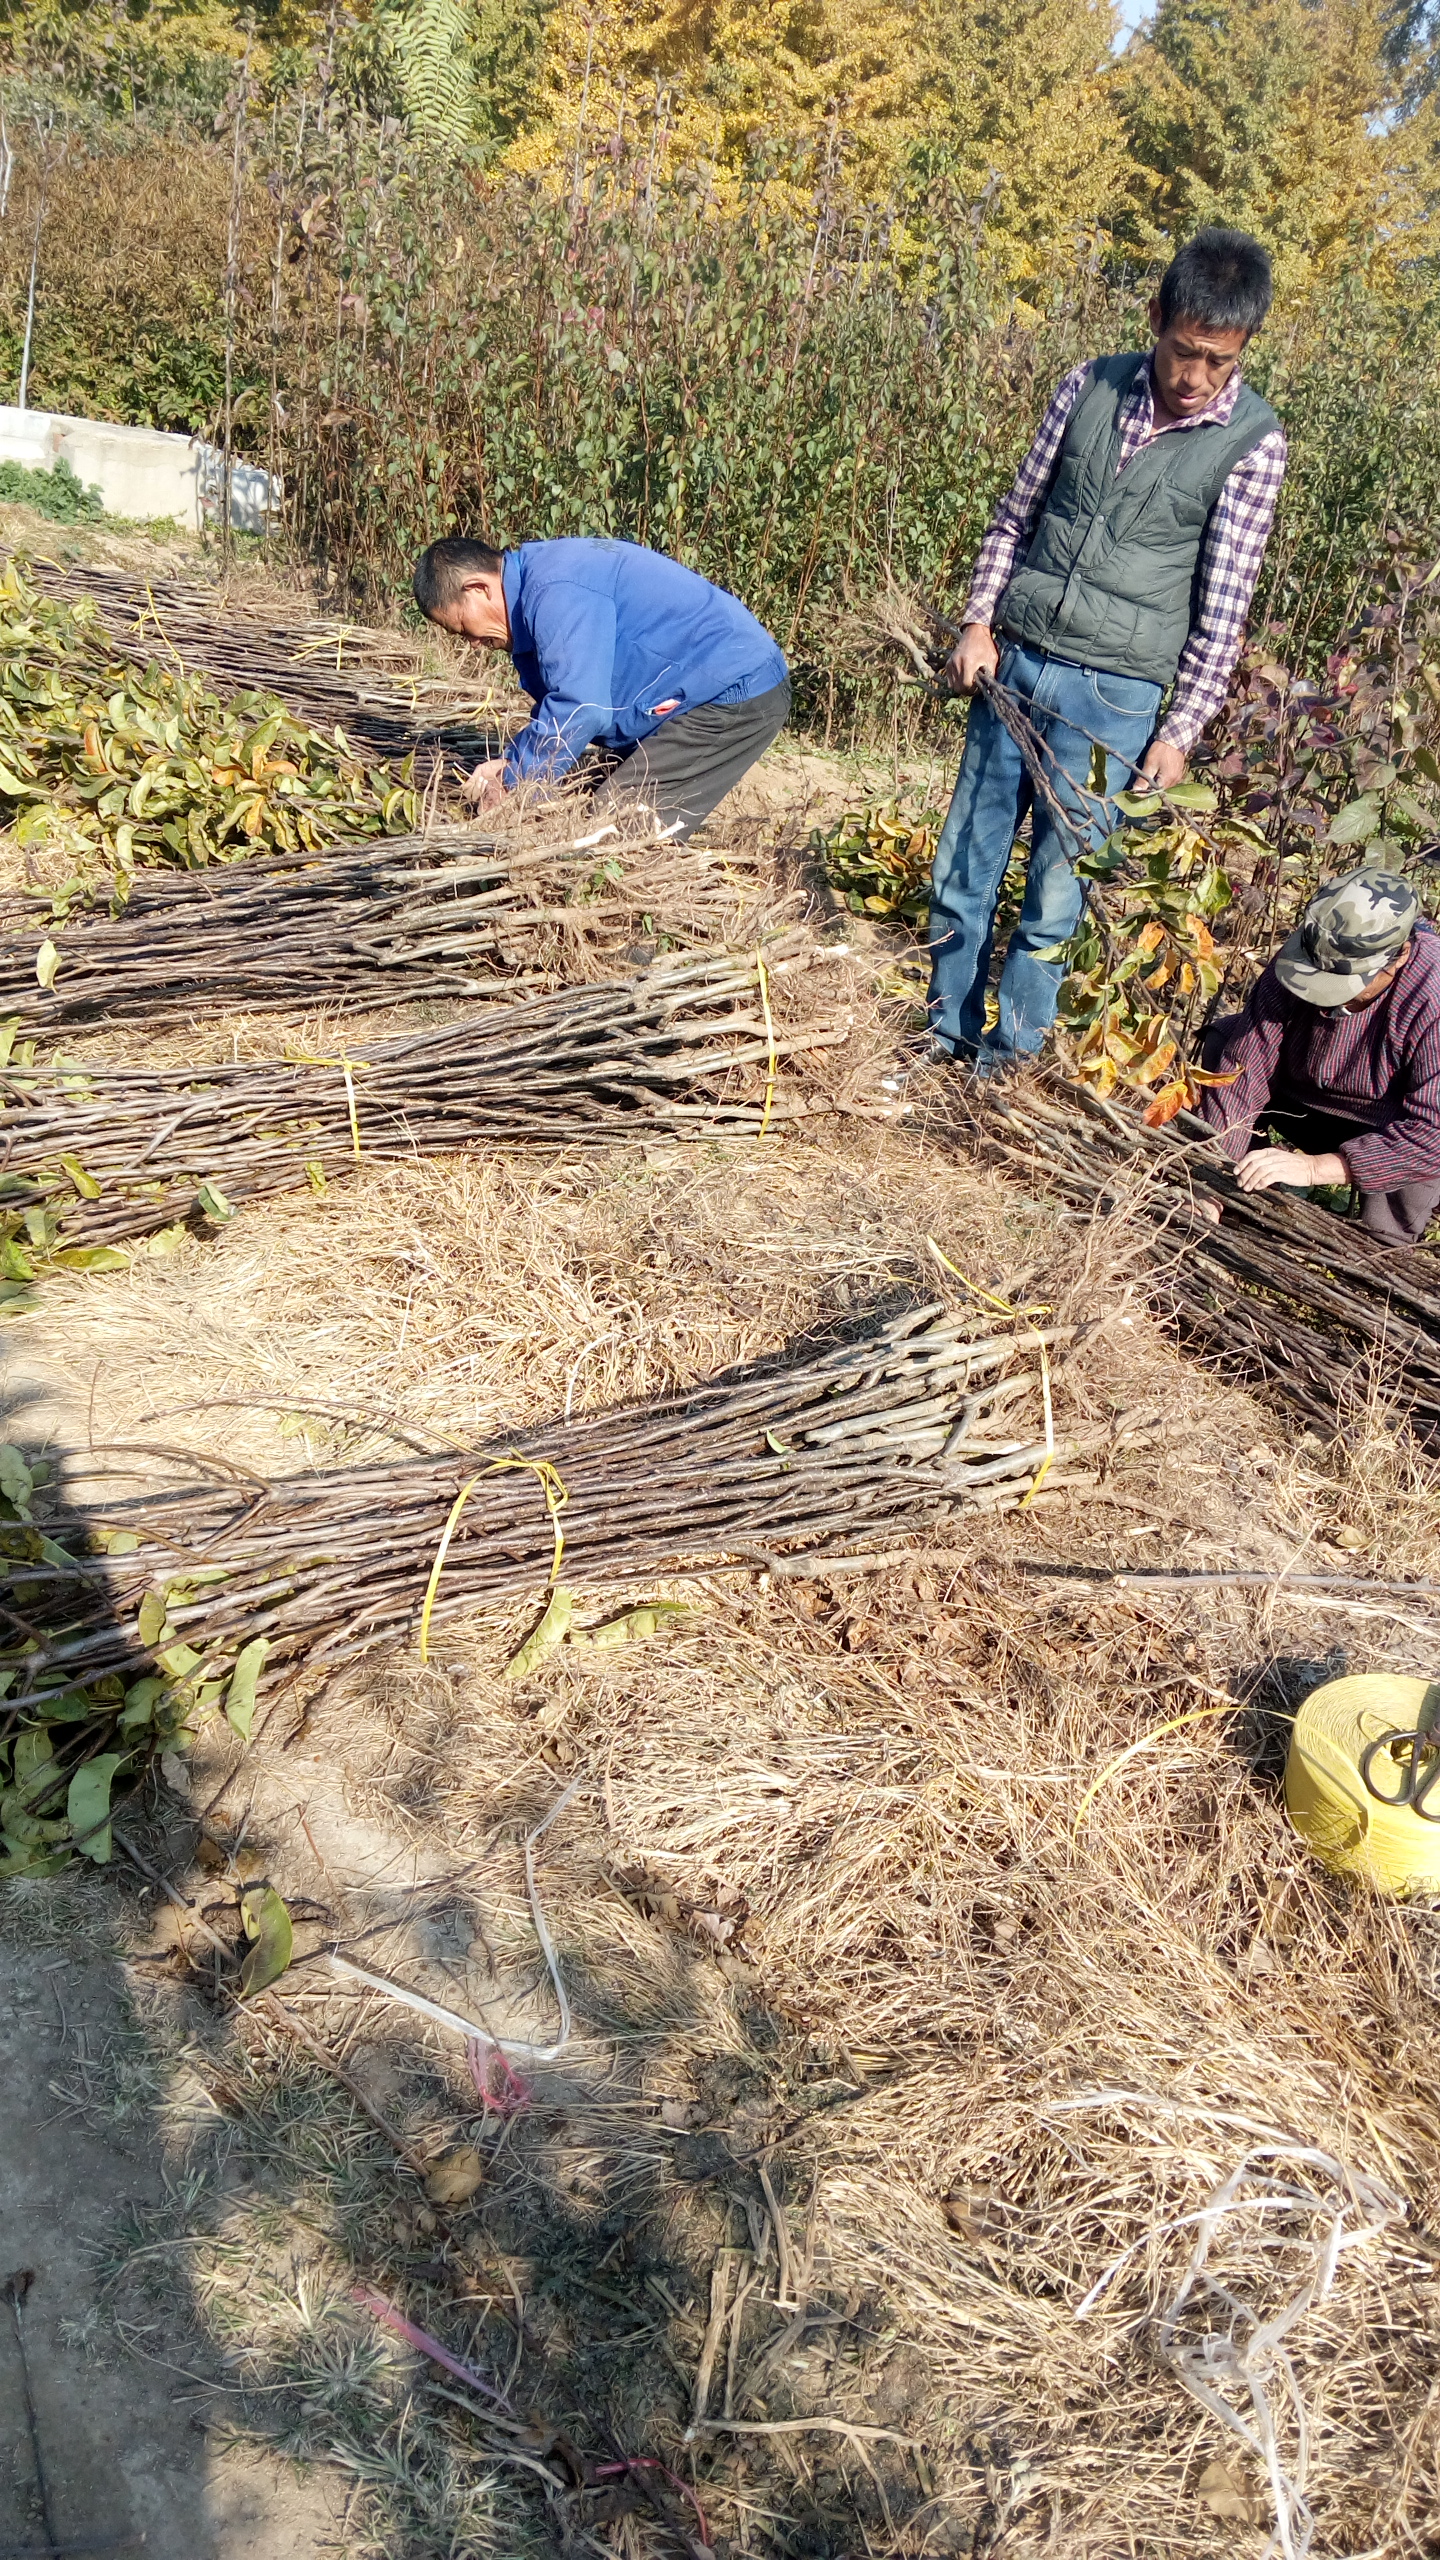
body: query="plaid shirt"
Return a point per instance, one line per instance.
(1231, 551)
(1379, 1069)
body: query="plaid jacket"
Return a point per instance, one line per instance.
(1378, 1069)
(1230, 553)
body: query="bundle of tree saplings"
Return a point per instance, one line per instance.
(1279, 1286)
(330, 674)
(707, 1047)
(187, 1593)
(114, 763)
(457, 913)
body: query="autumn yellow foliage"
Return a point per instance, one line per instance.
(1279, 115)
(1017, 107)
(1283, 116)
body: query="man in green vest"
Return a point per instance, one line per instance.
(1120, 564)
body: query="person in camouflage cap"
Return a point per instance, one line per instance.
(1350, 935)
(1337, 1057)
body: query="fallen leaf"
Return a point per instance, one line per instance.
(88, 1804)
(1224, 2495)
(267, 1923)
(633, 1627)
(240, 1697)
(453, 2178)
(552, 1631)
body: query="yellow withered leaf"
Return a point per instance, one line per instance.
(552, 1631)
(633, 1627)
(454, 2178)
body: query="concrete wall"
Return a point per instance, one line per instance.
(140, 471)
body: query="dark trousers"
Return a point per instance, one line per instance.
(1399, 1217)
(683, 772)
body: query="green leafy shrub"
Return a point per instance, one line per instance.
(58, 494)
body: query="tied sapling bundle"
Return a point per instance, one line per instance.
(116, 763)
(328, 674)
(191, 1592)
(457, 913)
(1306, 1300)
(702, 1048)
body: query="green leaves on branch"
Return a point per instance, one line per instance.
(69, 1746)
(123, 766)
(1142, 964)
(878, 860)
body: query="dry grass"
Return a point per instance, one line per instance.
(821, 1902)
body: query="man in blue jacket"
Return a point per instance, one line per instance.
(620, 649)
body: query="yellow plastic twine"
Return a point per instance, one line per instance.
(1112, 1769)
(153, 615)
(773, 1063)
(553, 1486)
(347, 1066)
(1348, 1730)
(1048, 1461)
(1003, 1304)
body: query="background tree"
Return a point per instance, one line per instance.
(1288, 118)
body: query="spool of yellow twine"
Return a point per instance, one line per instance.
(1362, 1782)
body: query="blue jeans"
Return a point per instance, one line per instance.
(992, 794)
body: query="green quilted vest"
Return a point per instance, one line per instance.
(1111, 578)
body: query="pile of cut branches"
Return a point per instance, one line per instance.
(331, 674)
(1281, 1288)
(457, 913)
(700, 1048)
(189, 1592)
(118, 762)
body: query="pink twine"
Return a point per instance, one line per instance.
(511, 2095)
(380, 2309)
(648, 2462)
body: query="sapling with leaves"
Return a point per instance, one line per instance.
(1143, 965)
(87, 1733)
(116, 765)
(878, 860)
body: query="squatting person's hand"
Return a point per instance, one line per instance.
(1161, 767)
(976, 655)
(1269, 1165)
(485, 787)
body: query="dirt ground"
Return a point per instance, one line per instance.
(917, 2026)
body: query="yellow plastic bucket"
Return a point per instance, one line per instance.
(1385, 1844)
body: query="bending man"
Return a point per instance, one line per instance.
(619, 649)
(1123, 559)
(1338, 1051)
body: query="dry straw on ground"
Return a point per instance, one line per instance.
(822, 1907)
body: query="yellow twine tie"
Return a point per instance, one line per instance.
(553, 1486)
(153, 615)
(1048, 1460)
(1003, 1304)
(1112, 1769)
(347, 1067)
(773, 1061)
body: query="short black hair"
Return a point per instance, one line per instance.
(1220, 279)
(445, 567)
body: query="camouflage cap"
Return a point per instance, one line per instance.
(1349, 932)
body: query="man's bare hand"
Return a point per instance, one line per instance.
(1271, 1165)
(976, 655)
(1161, 767)
(485, 787)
